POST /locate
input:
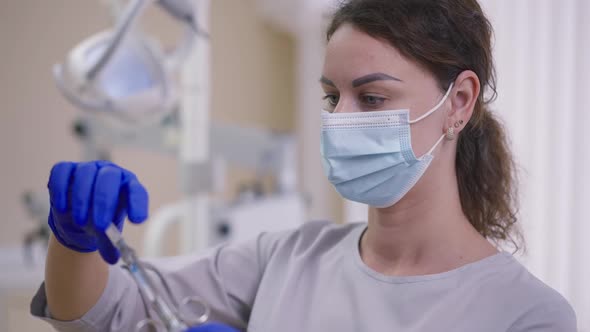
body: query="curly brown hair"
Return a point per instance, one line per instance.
(448, 37)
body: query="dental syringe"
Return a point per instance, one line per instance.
(165, 312)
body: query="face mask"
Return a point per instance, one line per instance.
(368, 156)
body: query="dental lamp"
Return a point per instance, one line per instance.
(126, 83)
(125, 74)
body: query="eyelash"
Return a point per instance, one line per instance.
(378, 100)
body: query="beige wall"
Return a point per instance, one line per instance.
(252, 84)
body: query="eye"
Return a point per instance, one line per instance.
(331, 99)
(330, 102)
(372, 101)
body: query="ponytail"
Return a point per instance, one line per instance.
(486, 176)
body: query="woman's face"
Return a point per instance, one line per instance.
(363, 74)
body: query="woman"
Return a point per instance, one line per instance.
(405, 129)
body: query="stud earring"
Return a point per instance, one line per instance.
(450, 134)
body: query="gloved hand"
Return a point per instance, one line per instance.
(86, 197)
(212, 327)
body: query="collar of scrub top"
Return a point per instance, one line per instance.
(122, 72)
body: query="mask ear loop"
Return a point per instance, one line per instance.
(435, 108)
(435, 145)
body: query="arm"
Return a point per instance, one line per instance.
(226, 278)
(73, 281)
(85, 198)
(82, 293)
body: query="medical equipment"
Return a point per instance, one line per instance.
(265, 152)
(172, 318)
(124, 73)
(126, 82)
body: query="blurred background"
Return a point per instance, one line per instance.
(254, 144)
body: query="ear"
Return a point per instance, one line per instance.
(463, 98)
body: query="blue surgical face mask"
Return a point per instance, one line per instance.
(368, 156)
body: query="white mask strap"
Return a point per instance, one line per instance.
(435, 145)
(435, 108)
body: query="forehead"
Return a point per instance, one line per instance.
(351, 52)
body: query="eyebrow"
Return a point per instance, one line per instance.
(326, 81)
(372, 78)
(364, 80)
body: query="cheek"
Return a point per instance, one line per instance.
(426, 133)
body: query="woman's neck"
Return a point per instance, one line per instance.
(422, 236)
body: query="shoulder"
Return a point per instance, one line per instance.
(542, 308)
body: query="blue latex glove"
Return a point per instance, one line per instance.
(86, 197)
(212, 327)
